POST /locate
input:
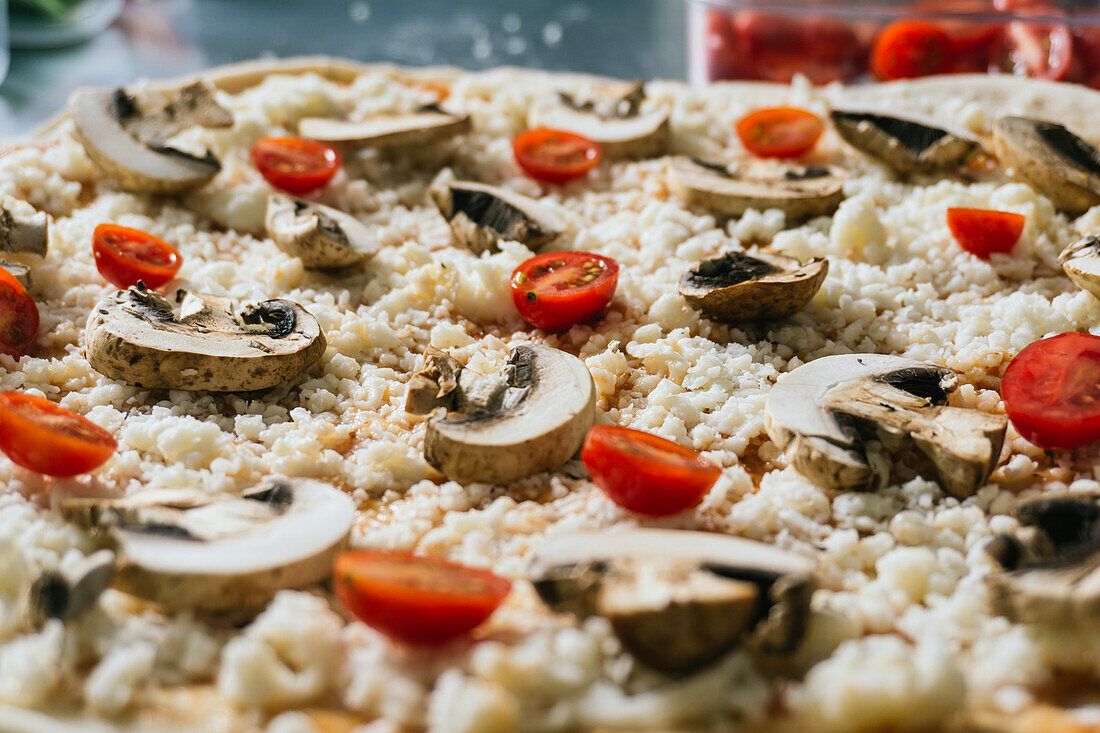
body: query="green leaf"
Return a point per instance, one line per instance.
(53, 8)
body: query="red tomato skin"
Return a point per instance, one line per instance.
(910, 48)
(780, 132)
(123, 270)
(313, 163)
(555, 156)
(1034, 400)
(561, 310)
(38, 435)
(18, 317)
(417, 615)
(645, 473)
(983, 232)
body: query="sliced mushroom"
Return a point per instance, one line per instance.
(1081, 261)
(200, 342)
(130, 145)
(617, 123)
(22, 229)
(798, 192)
(319, 235)
(500, 428)
(482, 216)
(425, 126)
(741, 287)
(906, 144)
(1047, 156)
(677, 599)
(19, 271)
(822, 412)
(68, 593)
(216, 553)
(1051, 563)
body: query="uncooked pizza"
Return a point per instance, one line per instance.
(341, 398)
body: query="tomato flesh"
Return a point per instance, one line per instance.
(124, 256)
(983, 232)
(294, 164)
(1051, 391)
(910, 48)
(556, 290)
(645, 473)
(414, 598)
(18, 317)
(44, 437)
(780, 132)
(555, 156)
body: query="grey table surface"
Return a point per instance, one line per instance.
(163, 38)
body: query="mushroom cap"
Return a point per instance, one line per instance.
(906, 144)
(68, 593)
(135, 165)
(214, 553)
(1081, 261)
(319, 235)
(19, 271)
(619, 125)
(200, 342)
(481, 216)
(741, 287)
(821, 412)
(798, 192)
(387, 131)
(1053, 573)
(678, 599)
(500, 429)
(1053, 160)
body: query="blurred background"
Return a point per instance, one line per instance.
(159, 38)
(58, 45)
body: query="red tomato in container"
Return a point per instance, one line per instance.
(124, 256)
(780, 132)
(645, 473)
(556, 290)
(1051, 391)
(42, 436)
(974, 43)
(18, 317)
(910, 48)
(724, 55)
(414, 598)
(983, 232)
(775, 47)
(555, 156)
(1041, 49)
(294, 164)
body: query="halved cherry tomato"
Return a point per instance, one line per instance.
(645, 473)
(124, 256)
(982, 232)
(294, 164)
(556, 290)
(910, 48)
(555, 156)
(18, 317)
(44, 437)
(414, 598)
(780, 132)
(1051, 391)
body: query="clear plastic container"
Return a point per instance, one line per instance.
(872, 41)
